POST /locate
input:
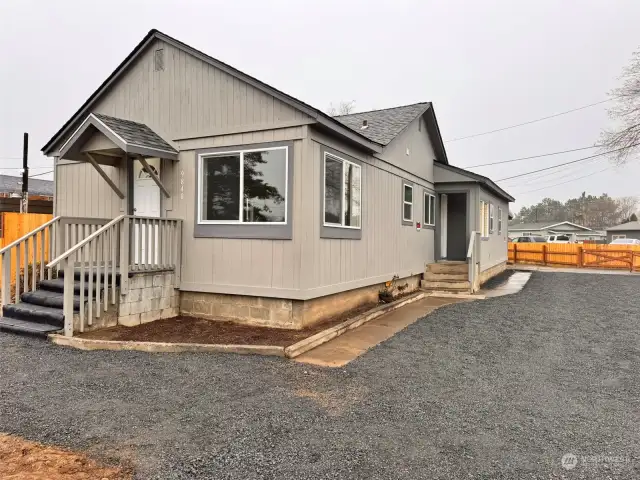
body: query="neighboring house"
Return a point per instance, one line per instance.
(624, 230)
(287, 215)
(40, 194)
(578, 233)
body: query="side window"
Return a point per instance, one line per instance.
(491, 219)
(407, 203)
(499, 221)
(429, 209)
(342, 193)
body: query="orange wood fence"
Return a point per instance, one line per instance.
(576, 255)
(16, 225)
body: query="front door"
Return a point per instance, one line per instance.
(146, 203)
(456, 226)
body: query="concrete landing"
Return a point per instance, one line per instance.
(343, 349)
(511, 285)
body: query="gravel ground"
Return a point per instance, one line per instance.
(500, 388)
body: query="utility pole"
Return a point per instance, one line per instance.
(24, 204)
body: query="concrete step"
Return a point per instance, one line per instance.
(448, 267)
(446, 277)
(445, 286)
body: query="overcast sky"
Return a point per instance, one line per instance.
(484, 65)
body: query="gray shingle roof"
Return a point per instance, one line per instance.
(625, 226)
(530, 226)
(383, 125)
(135, 133)
(9, 184)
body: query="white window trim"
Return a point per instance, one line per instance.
(404, 202)
(615, 237)
(203, 156)
(492, 219)
(484, 213)
(499, 220)
(428, 198)
(324, 197)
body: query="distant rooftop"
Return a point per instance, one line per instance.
(9, 185)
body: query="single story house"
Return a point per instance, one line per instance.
(40, 194)
(578, 233)
(624, 230)
(244, 203)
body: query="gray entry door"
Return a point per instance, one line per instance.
(457, 226)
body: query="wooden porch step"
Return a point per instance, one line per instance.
(49, 298)
(451, 285)
(446, 277)
(448, 267)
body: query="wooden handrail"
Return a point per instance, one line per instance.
(30, 234)
(81, 244)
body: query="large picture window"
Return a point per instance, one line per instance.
(429, 209)
(342, 192)
(244, 187)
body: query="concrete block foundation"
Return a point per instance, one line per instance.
(282, 313)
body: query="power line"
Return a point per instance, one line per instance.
(534, 178)
(39, 174)
(568, 163)
(20, 168)
(530, 121)
(568, 181)
(533, 156)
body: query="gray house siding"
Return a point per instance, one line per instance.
(412, 151)
(493, 249)
(81, 192)
(198, 107)
(626, 233)
(386, 248)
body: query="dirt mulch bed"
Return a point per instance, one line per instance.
(23, 460)
(198, 330)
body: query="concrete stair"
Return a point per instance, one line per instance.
(446, 277)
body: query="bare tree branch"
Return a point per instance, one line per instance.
(343, 108)
(625, 112)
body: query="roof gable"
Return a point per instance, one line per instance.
(382, 126)
(320, 117)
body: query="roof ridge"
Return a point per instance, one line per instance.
(382, 109)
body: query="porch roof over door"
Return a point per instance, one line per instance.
(107, 137)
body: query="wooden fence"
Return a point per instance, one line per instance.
(16, 225)
(576, 255)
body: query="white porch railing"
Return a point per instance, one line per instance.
(473, 260)
(125, 244)
(45, 242)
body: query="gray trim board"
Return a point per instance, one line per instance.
(264, 231)
(404, 222)
(339, 232)
(475, 178)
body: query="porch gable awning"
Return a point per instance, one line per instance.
(133, 138)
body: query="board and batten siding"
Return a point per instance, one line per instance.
(191, 98)
(493, 250)
(306, 266)
(82, 192)
(240, 266)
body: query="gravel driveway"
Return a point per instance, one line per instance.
(500, 388)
